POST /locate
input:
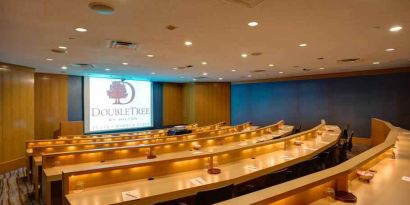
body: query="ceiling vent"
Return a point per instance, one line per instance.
(82, 65)
(349, 60)
(247, 3)
(121, 45)
(258, 71)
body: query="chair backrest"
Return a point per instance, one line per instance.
(214, 195)
(277, 177)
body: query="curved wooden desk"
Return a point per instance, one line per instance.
(55, 164)
(310, 188)
(235, 161)
(38, 151)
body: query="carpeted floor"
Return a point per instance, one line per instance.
(15, 189)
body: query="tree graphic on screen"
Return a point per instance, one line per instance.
(117, 91)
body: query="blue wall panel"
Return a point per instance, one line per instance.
(75, 98)
(341, 101)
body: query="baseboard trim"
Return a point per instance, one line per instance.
(12, 165)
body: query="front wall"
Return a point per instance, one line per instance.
(51, 104)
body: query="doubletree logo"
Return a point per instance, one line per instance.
(118, 91)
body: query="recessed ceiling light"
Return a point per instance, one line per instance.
(321, 68)
(253, 23)
(125, 63)
(49, 59)
(194, 79)
(244, 55)
(220, 78)
(150, 56)
(233, 70)
(280, 72)
(395, 28)
(204, 73)
(249, 76)
(64, 67)
(271, 65)
(82, 30)
(376, 63)
(175, 68)
(107, 69)
(204, 63)
(390, 49)
(153, 73)
(188, 43)
(62, 47)
(302, 45)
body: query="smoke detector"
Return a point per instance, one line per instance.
(101, 8)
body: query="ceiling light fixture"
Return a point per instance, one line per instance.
(390, 49)
(233, 70)
(188, 43)
(204, 73)
(64, 67)
(321, 68)
(62, 47)
(125, 63)
(49, 59)
(280, 72)
(107, 69)
(302, 45)
(153, 73)
(395, 28)
(253, 23)
(150, 56)
(194, 79)
(220, 78)
(376, 63)
(249, 76)
(271, 65)
(244, 55)
(204, 63)
(82, 30)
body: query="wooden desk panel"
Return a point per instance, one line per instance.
(176, 185)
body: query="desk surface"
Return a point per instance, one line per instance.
(54, 173)
(231, 173)
(389, 174)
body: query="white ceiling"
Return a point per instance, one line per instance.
(218, 29)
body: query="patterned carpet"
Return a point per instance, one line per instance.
(15, 189)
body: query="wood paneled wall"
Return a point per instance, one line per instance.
(16, 111)
(202, 103)
(51, 105)
(172, 104)
(212, 103)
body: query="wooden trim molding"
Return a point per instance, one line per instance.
(12, 165)
(331, 75)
